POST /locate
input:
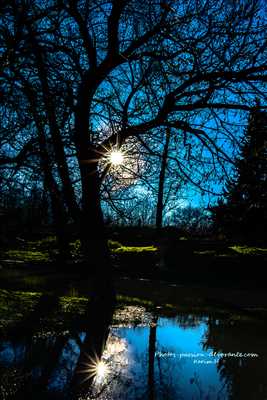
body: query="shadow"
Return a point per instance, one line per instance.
(33, 321)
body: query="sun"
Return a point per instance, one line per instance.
(101, 370)
(116, 157)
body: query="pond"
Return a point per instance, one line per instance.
(186, 356)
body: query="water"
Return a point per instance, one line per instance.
(182, 357)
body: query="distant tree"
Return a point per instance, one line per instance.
(191, 220)
(243, 210)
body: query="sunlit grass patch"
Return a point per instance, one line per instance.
(32, 251)
(135, 249)
(116, 248)
(249, 250)
(26, 297)
(42, 250)
(27, 255)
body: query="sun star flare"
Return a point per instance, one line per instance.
(101, 370)
(116, 157)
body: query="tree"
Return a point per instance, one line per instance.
(163, 167)
(136, 67)
(224, 338)
(244, 212)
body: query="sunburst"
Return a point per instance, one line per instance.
(116, 157)
(94, 368)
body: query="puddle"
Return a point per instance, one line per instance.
(182, 357)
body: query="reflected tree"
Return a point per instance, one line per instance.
(100, 313)
(245, 376)
(151, 358)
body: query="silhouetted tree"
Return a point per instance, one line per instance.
(134, 67)
(244, 212)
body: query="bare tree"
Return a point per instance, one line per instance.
(135, 67)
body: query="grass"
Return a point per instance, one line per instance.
(27, 255)
(32, 251)
(15, 304)
(118, 248)
(42, 251)
(236, 250)
(134, 249)
(249, 250)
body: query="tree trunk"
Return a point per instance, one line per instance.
(93, 235)
(92, 230)
(160, 205)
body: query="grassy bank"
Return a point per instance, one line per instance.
(30, 264)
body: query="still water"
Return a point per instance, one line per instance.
(182, 357)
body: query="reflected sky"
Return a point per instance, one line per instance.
(175, 374)
(180, 349)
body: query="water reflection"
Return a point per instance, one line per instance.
(186, 357)
(245, 376)
(159, 366)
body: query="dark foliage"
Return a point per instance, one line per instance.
(242, 213)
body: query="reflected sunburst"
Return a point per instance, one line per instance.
(94, 368)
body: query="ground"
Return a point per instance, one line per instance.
(180, 274)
